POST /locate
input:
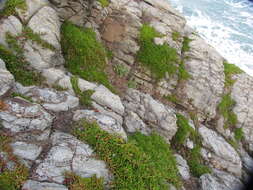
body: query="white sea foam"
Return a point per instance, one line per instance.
(227, 25)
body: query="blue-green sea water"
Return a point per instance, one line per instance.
(227, 25)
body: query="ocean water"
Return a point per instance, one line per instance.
(227, 25)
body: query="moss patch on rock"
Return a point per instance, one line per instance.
(11, 6)
(84, 55)
(134, 164)
(104, 3)
(230, 70)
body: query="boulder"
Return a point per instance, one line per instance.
(183, 167)
(222, 154)
(6, 79)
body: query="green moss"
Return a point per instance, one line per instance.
(159, 59)
(84, 97)
(186, 44)
(120, 70)
(104, 3)
(183, 132)
(238, 134)
(194, 160)
(19, 68)
(14, 94)
(176, 36)
(28, 33)
(182, 72)
(129, 163)
(226, 110)
(230, 70)
(84, 55)
(75, 182)
(10, 7)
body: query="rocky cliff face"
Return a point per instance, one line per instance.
(201, 107)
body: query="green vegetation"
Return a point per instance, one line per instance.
(28, 33)
(226, 109)
(59, 88)
(183, 132)
(132, 84)
(84, 97)
(120, 70)
(11, 180)
(141, 163)
(186, 44)
(159, 59)
(172, 98)
(194, 160)
(182, 72)
(10, 7)
(14, 94)
(75, 182)
(19, 68)
(84, 55)
(238, 134)
(176, 36)
(104, 3)
(230, 70)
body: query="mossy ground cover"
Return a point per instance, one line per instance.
(75, 182)
(84, 55)
(104, 3)
(11, 179)
(10, 7)
(159, 59)
(193, 157)
(141, 163)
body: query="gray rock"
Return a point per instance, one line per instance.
(35, 185)
(25, 150)
(106, 122)
(6, 79)
(242, 94)
(11, 25)
(106, 98)
(23, 116)
(220, 181)
(224, 155)
(51, 99)
(160, 117)
(53, 75)
(182, 166)
(69, 154)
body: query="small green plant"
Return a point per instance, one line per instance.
(59, 88)
(159, 59)
(120, 70)
(132, 84)
(133, 165)
(182, 72)
(28, 33)
(84, 97)
(75, 182)
(194, 160)
(84, 55)
(238, 134)
(20, 68)
(172, 98)
(183, 132)
(186, 44)
(104, 3)
(14, 94)
(230, 70)
(226, 109)
(10, 7)
(176, 35)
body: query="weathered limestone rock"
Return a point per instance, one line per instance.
(53, 75)
(49, 28)
(106, 122)
(11, 25)
(6, 79)
(51, 99)
(35, 185)
(205, 87)
(69, 154)
(220, 181)
(182, 166)
(223, 155)
(106, 98)
(160, 117)
(20, 115)
(242, 94)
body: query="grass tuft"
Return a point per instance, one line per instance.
(186, 44)
(14, 94)
(10, 7)
(133, 164)
(120, 70)
(84, 55)
(75, 182)
(176, 36)
(230, 70)
(104, 3)
(238, 134)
